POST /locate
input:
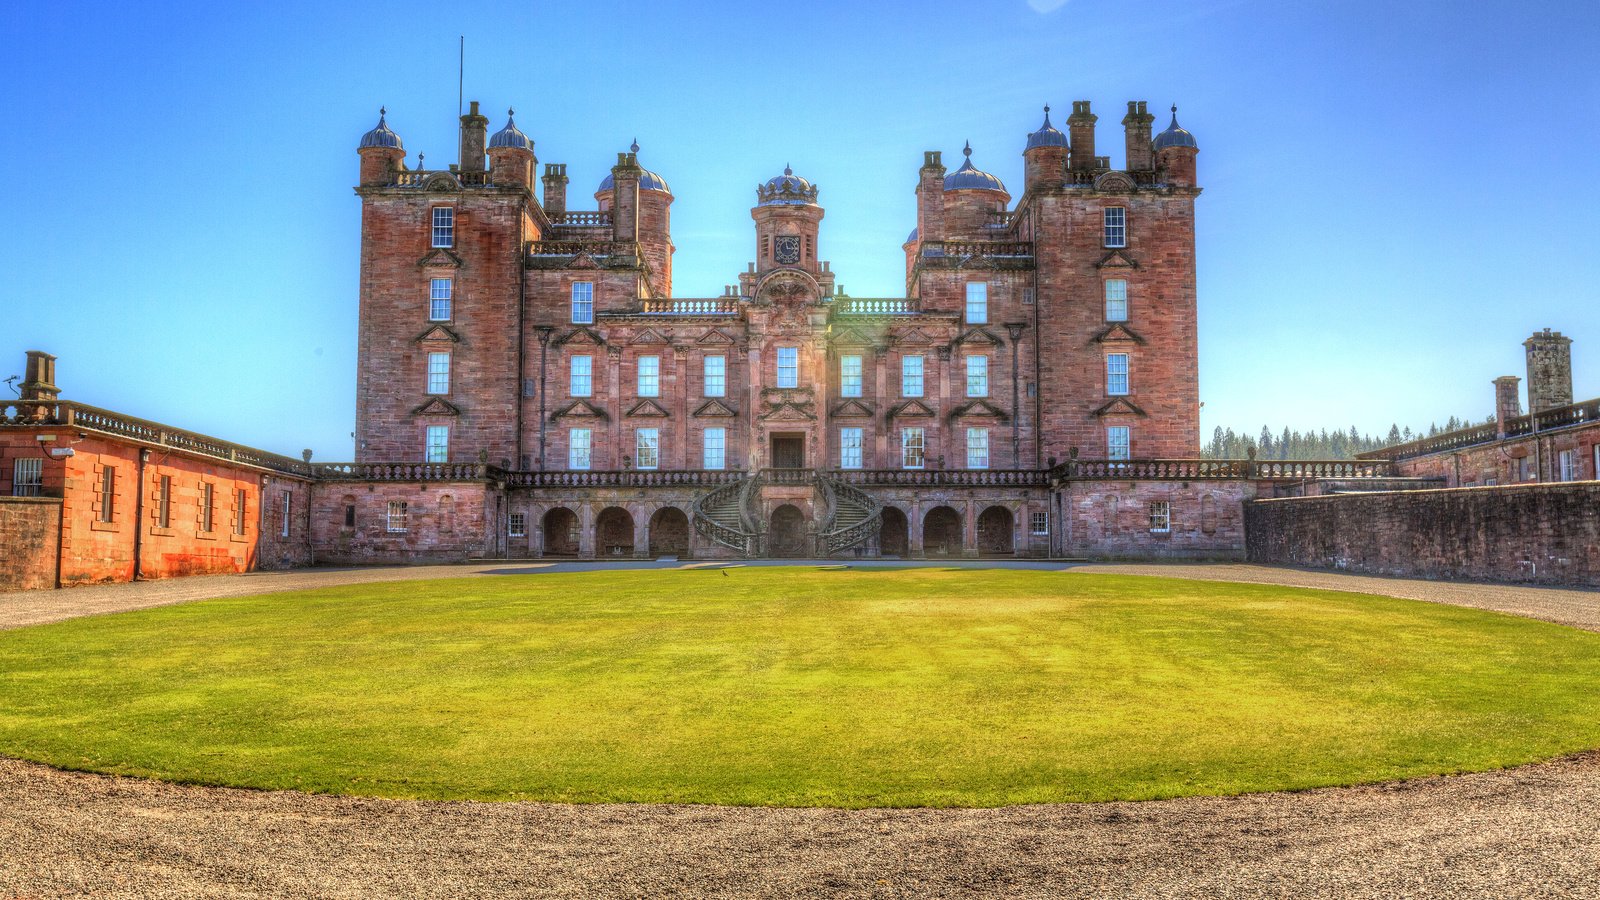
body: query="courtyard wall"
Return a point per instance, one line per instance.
(29, 528)
(1531, 533)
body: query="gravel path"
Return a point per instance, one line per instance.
(1527, 832)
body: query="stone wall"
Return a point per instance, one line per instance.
(1114, 520)
(440, 522)
(29, 528)
(1534, 533)
(1535, 457)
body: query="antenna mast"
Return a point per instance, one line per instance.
(461, 71)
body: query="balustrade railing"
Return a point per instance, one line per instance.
(977, 250)
(787, 476)
(401, 471)
(573, 248)
(941, 477)
(1220, 469)
(622, 478)
(1583, 413)
(874, 306)
(583, 219)
(715, 306)
(71, 414)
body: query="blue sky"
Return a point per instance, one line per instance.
(1396, 193)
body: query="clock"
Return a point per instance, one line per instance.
(786, 249)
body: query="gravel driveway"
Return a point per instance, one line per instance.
(1527, 832)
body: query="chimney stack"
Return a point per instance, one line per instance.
(1507, 405)
(39, 378)
(1080, 133)
(1136, 127)
(474, 135)
(555, 190)
(930, 198)
(625, 196)
(1549, 370)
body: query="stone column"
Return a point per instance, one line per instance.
(969, 530)
(586, 535)
(914, 529)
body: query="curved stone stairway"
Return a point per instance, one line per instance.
(729, 515)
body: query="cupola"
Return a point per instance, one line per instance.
(648, 180)
(1047, 135)
(971, 178)
(787, 189)
(510, 137)
(381, 136)
(1174, 136)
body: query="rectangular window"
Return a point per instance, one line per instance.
(911, 448)
(647, 448)
(396, 521)
(583, 302)
(438, 445)
(349, 515)
(1116, 374)
(439, 292)
(208, 508)
(977, 448)
(714, 448)
(164, 501)
(649, 376)
(578, 447)
(788, 367)
(977, 302)
(108, 493)
(517, 525)
(582, 376)
(1117, 442)
(977, 376)
(438, 373)
(444, 226)
(911, 376)
(241, 511)
(1160, 516)
(1116, 300)
(1116, 231)
(1527, 469)
(849, 448)
(716, 372)
(27, 478)
(849, 376)
(1039, 524)
(286, 510)
(1568, 463)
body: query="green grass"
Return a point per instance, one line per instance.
(798, 687)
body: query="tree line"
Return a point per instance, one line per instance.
(1321, 444)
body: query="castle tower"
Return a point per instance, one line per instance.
(973, 200)
(1549, 370)
(1044, 161)
(1175, 152)
(511, 159)
(382, 154)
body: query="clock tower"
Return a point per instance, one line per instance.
(787, 218)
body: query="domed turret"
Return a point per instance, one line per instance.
(787, 189)
(1174, 136)
(1047, 135)
(510, 136)
(648, 180)
(971, 178)
(1044, 160)
(381, 136)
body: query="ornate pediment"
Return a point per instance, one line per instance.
(648, 408)
(788, 286)
(440, 258)
(438, 334)
(583, 261)
(717, 408)
(912, 336)
(852, 409)
(1119, 332)
(979, 335)
(979, 409)
(436, 406)
(715, 336)
(1121, 406)
(648, 336)
(1114, 182)
(850, 337)
(579, 409)
(788, 405)
(441, 182)
(1117, 259)
(581, 335)
(908, 409)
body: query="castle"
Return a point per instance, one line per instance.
(530, 386)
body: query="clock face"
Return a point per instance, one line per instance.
(786, 249)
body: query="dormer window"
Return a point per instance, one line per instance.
(444, 226)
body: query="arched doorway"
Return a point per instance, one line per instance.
(669, 532)
(941, 532)
(995, 532)
(561, 532)
(613, 532)
(787, 536)
(894, 533)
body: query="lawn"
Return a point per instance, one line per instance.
(798, 686)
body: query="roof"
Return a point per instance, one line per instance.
(787, 189)
(648, 180)
(381, 136)
(971, 178)
(1174, 136)
(1047, 135)
(510, 136)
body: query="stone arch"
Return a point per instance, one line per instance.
(669, 532)
(894, 533)
(613, 532)
(941, 532)
(996, 532)
(562, 532)
(786, 535)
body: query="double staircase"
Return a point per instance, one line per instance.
(730, 514)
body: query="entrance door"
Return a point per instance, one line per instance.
(788, 451)
(787, 535)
